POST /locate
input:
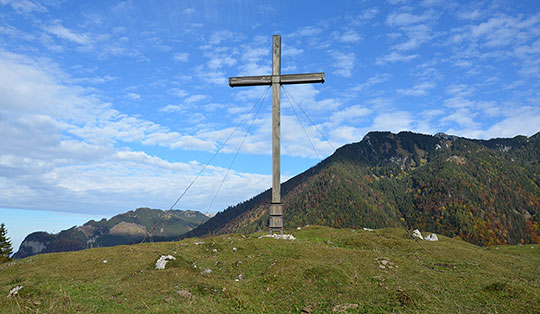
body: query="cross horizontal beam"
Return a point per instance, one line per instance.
(281, 79)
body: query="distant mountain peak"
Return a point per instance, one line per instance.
(127, 228)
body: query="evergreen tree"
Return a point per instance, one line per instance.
(5, 245)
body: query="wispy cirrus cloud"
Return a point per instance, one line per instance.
(62, 32)
(372, 81)
(420, 89)
(24, 6)
(395, 57)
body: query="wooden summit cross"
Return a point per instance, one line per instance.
(276, 80)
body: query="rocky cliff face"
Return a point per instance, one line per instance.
(128, 228)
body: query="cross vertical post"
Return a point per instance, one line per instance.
(275, 212)
(276, 208)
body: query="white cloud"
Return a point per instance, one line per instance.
(417, 35)
(59, 150)
(173, 108)
(417, 90)
(344, 63)
(526, 121)
(367, 14)
(189, 11)
(499, 31)
(219, 61)
(178, 92)
(469, 14)
(24, 6)
(64, 33)
(289, 51)
(406, 18)
(308, 31)
(463, 117)
(458, 102)
(393, 121)
(133, 96)
(394, 57)
(181, 56)
(349, 113)
(432, 3)
(306, 96)
(213, 77)
(220, 36)
(350, 36)
(374, 80)
(459, 90)
(195, 98)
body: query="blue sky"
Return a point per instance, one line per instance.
(106, 106)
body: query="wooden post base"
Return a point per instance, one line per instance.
(275, 221)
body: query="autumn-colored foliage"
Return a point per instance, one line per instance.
(485, 192)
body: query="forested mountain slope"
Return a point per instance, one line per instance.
(484, 191)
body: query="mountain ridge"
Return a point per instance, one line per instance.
(130, 227)
(483, 191)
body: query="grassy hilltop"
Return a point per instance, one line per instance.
(324, 270)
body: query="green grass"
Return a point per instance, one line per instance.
(324, 269)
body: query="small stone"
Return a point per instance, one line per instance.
(162, 261)
(344, 307)
(14, 291)
(199, 243)
(381, 278)
(382, 267)
(234, 249)
(36, 303)
(185, 294)
(206, 271)
(298, 228)
(239, 277)
(307, 310)
(238, 263)
(384, 262)
(105, 261)
(167, 299)
(431, 237)
(278, 236)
